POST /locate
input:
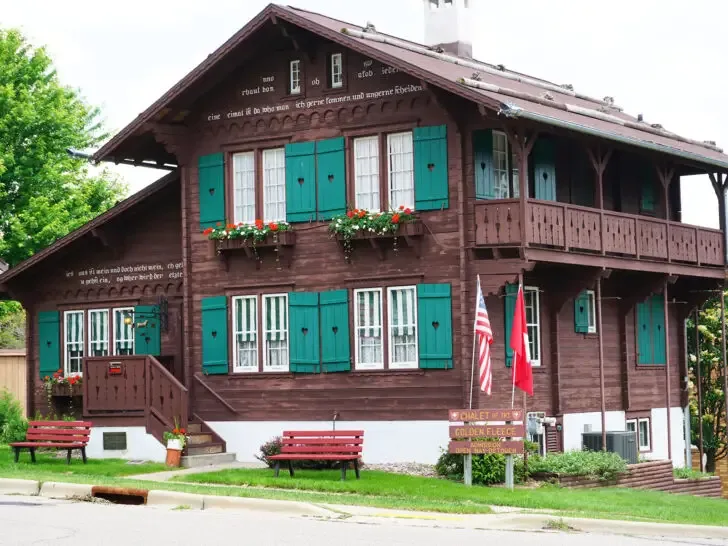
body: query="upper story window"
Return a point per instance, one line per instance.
(274, 185)
(650, 316)
(294, 85)
(123, 333)
(244, 188)
(401, 169)
(532, 302)
(505, 168)
(98, 338)
(337, 70)
(366, 173)
(246, 208)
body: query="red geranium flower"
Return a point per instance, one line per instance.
(408, 211)
(219, 224)
(401, 207)
(273, 226)
(395, 218)
(208, 231)
(231, 226)
(362, 213)
(259, 224)
(46, 378)
(350, 214)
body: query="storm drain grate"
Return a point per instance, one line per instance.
(120, 495)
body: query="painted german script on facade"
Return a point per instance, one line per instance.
(512, 447)
(126, 273)
(479, 415)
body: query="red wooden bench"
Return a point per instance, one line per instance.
(321, 445)
(68, 435)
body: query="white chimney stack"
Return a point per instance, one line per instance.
(448, 24)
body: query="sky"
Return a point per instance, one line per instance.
(665, 59)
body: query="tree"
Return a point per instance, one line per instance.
(12, 326)
(710, 360)
(44, 192)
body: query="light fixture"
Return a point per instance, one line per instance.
(137, 319)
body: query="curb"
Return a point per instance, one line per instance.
(58, 490)
(19, 487)
(291, 508)
(173, 498)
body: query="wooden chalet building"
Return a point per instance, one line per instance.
(298, 118)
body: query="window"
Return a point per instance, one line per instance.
(631, 426)
(505, 168)
(369, 348)
(401, 170)
(295, 80)
(366, 173)
(402, 327)
(244, 188)
(644, 434)
(123, 333)
(98, 336)
(533, 323)
(245, 334)
(274, 185)
(337, 71)
(591, 311)
(73, 322)
(275, 344)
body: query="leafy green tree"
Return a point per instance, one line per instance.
(715, 444)
(12, 326)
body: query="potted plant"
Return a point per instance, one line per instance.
(176, 439)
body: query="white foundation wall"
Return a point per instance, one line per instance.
(139, 445)
(658, 423)
(384, 441)
(574, 424)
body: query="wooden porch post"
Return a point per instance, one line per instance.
(699, 380)
(522, 142)
(667, 370)
(599, 161)
(601, 362)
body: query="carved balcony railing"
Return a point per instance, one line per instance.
(581, 229)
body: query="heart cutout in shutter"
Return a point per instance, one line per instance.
(545, 176)
(581, 309)
(214, 334)
(431, 166)
(435, 324)
(482, 165)
(212, 191)
(335, 329)
(304, 330)
(331, 178)
(300, 180)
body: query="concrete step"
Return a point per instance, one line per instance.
(193, 461)
(208, 448)
(194, 427)
(197, 438)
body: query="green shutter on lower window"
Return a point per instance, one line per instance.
(303, 323)
(644, 332)
(544, 169)
(147, 335)
(49, 338)
(215, 335)
(581, 313)
(431, 169)
(483, 164)
(301, 182)
(331, 178)
(659, 355)
(211, 174)
(335, 351)
(509, 309)
(434, 322)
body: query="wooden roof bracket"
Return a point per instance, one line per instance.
(639, 293)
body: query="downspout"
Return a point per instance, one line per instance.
(668, 396)
(186, 299)
(601, 364)
(699, 381)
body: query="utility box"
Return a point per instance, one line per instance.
(622, 443)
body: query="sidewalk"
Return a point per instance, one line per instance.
(169, 474)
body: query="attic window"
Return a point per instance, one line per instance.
(337, 71)
(295, 78)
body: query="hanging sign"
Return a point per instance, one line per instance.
(506, 447)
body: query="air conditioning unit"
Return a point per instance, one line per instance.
(534, 422)
(622, 443)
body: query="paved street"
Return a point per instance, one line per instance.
(38, 521)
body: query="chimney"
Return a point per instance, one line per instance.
(448, 24)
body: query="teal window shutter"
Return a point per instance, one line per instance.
(301, 182)
(544, 169)
(483, 164)
(644, 332)
(647, 189)
(303, 322)
(49, 338)
(212, 190)
(335, 351)
(215, 335)
(434, 322)
(658, 330)
(331, 169)
(430, 162)
(147, 335)
(581, 313)
(509, 310)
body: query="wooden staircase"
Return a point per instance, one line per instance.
(204, 446)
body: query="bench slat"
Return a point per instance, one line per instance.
(320, 449)
(59, 432)
(47, 444)
(330, 433)
(320, 442)
(53, 438)
(294, 456)
(85, 424)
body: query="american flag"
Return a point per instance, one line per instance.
(484, 338)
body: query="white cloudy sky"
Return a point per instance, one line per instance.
(666, 59)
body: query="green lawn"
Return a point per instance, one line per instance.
(441, 495)
(48, 466)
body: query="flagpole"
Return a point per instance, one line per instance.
(515, 360)
(472, 360)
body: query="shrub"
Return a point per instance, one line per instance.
(593, 464)
(689, 474)
(273, 447)
(487, 469)
(12, 422)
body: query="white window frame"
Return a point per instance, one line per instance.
(123, 311)
(406, 171)
(358, 364)
(236, 365)
(591, 312)
(366, 173)
(103, 342)
(66, 343)
(535, 362)
(295, 77)
(390, 330)
(337, 70)
(647, 446)
(243, 190)
(274, 185)
(632, 422)
(512, 189)
(267, 367)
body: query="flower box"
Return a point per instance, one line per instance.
(67, 390)
(279, 242)
(409, 234)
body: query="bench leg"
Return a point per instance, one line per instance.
(83, 454)
(344, 464)
(68, 457)
(277, 468)
(290, 468)
(32, 454)
(356, 468)
(16, 453)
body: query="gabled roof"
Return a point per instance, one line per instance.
(507, 92)
(88, 227)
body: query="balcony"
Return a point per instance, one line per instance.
(581, 230)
